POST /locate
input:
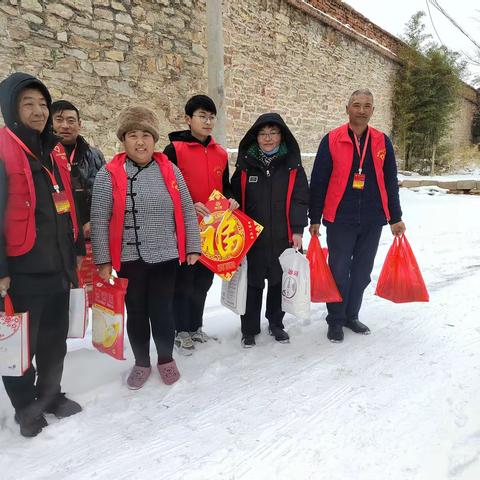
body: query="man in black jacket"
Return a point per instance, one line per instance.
(84, 159)
(270, 163)
(38, 255)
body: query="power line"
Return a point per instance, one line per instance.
(431, 21)
(452, 21)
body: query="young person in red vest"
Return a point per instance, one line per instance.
(354, 187)
(143, 224)
(271, 186)
(204, 165)
(38, 254)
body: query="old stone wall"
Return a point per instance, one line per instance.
(106, 54)
(281, 59)
(299, 58)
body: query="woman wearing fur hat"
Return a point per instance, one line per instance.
(142, 224)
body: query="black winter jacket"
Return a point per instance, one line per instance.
(265, 200)
(86, 163)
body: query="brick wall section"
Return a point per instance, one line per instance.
(278, 58)
(280, 55)
(105, 54)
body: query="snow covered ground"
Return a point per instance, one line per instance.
(402, 403)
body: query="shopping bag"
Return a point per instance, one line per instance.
(234, 291)
(400, 279)
(108, 316)
(14, 341)
(87, 271)
(323, 286)
(295, 283)
(78, 313)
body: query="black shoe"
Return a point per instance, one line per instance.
(279, 333)
(62, 407)
(31, 421)
(248, 341)
(358, 327)
(335, 333)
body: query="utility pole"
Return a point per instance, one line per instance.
(216, 74)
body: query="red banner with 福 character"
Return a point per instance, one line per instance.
(226, 235)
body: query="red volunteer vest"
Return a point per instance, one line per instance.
(118, 177)
(202, 167)
(20, 233)
(341, 150)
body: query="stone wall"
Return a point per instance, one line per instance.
(461, 132)
(299, 58)
(105, 54)
(279, 58)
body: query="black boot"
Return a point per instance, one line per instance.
(335, 333)
(279, 333)
(358, 327)
(31, 420)
(62, 407)
(248, 341)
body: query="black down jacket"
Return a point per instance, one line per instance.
(266, 198)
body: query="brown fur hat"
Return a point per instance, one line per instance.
(137, 118)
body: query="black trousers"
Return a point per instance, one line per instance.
(251, 320)
(191, 288)
(149, 302)
(351, 253)
(48, 319)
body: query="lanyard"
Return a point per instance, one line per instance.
(72, 155)
(357, 145)
(29, 152)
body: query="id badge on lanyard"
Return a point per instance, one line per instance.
(60, 200)
(359, 178)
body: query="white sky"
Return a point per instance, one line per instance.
(393, 15)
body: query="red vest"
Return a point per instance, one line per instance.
(20, 233)
(202, 167)
(341, 151)
(118, 177)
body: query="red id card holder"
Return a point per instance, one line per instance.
(358, 181)
(62, 205)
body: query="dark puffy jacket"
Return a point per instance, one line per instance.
(266, 196)
(87, 162)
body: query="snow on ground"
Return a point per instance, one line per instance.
(401, 403)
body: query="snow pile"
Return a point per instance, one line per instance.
(400, 404)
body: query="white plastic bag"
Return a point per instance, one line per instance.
(295, 283)
(234, 292)
(14, 342)
(78, 315)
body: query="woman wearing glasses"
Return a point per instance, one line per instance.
(272, 188)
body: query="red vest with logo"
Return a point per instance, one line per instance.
(118, 177)
(20, 232)
(202, 167)
(341, 150)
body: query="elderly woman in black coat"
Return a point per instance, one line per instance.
(271, 186)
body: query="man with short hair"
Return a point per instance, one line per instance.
(204, 165)
(354, 187)
(37, 250)
(85, 160)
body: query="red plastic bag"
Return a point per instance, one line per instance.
(108, 316)
(322, 284)
(86, 272)
(400, 280)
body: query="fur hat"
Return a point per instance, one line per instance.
(137, 118)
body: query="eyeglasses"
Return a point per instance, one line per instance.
(266, 135)
(205, 119)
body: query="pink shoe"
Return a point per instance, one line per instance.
(169, 372)
(138, 376)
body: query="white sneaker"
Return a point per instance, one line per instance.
(184, 343)
(199, 336)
